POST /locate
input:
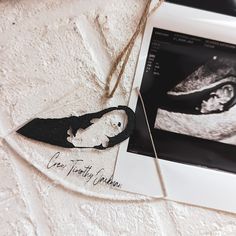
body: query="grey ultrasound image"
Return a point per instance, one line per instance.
(189, 91)
(202, 105)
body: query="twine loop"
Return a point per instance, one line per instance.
(125, 53)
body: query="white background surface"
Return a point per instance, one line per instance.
(47, 48)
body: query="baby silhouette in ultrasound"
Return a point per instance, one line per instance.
(203, 104)
(98, 133)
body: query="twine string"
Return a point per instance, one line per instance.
(127, 50)
(153, 146)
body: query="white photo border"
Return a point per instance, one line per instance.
(184, 183)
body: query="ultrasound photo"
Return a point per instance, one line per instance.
(189, 91)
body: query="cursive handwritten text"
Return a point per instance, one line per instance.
(79, 169)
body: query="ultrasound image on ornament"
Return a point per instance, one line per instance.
(99, 130)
